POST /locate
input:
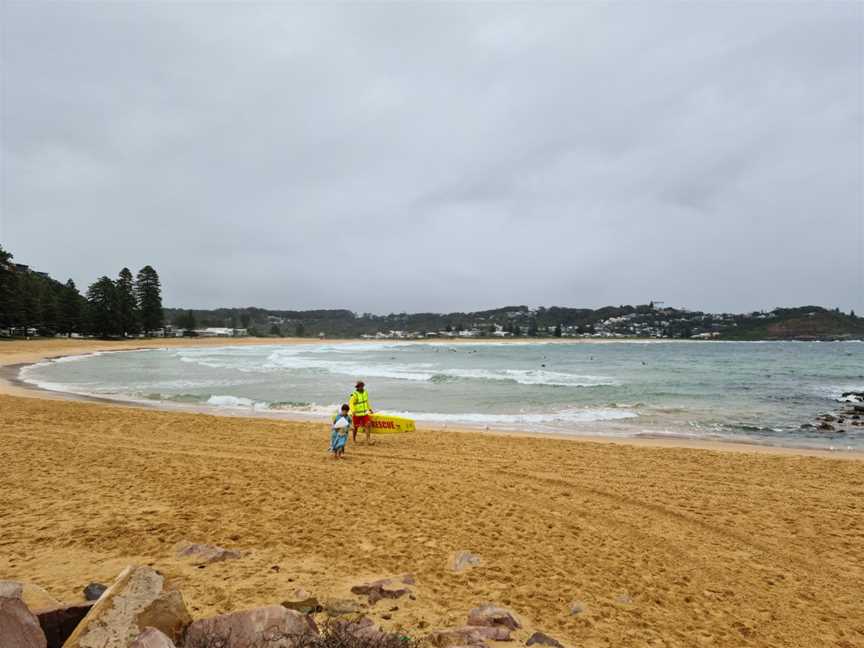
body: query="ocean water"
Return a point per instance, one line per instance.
(748, 392)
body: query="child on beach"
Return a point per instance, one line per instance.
(339, 433)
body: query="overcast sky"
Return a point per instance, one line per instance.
(384, 157)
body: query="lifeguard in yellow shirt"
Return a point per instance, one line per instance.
(361, 411)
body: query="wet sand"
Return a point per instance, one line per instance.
(664, 546)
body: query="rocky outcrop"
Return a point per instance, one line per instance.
(152, 638)
(18, 627)
(60, 622)
(113, 621)
(205, 554)
(492, 616)
(273, 627)
(851, 397)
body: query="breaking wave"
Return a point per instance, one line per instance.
(281, 359)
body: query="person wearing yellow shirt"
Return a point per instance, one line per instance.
(361, 411)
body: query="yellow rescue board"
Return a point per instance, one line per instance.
(386, 424)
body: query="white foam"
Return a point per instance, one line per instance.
(291, 359)
(562, 417)
(235, 402)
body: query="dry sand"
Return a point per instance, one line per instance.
(660, 546)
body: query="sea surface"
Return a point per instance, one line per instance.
(752, 392)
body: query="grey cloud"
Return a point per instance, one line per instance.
(438, 157)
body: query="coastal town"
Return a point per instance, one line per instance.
(34, 304)
(645, 321)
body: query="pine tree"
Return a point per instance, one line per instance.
(29, 303)
(532, 327)
(148, 291)
(7, 290)
(50, 323)
(557, 330)
(70, 309)
(102, 307)
(127, 305)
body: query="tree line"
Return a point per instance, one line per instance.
(121, 307)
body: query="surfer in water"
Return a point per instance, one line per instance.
(361, 411)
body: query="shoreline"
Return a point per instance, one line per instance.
(11, 384)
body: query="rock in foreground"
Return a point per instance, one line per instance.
(273, 626)
(492, 616)
(544, 640)
(468, 636)
(113, 620)
(34, 597)
(152, 638)
(18, 627)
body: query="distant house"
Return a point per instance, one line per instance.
(216, 331)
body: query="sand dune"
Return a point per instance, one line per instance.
(659, 546)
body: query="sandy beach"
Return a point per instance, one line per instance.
(655, 544)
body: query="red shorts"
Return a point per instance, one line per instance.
(362, 421)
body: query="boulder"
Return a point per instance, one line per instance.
(363, 628)
(93, 591)
(463, 560)
(205, 554)
(825, 427)
(18, 627)
(544, 640)
(827, 417)
(308, 605)
(341, 607)
(60, 622)
(152, 638)
(492, 616)
(852, 397)
(468, 636)
(112, 621)
(167, 613)
(34, 597)
(270, 627)
(378, 590)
